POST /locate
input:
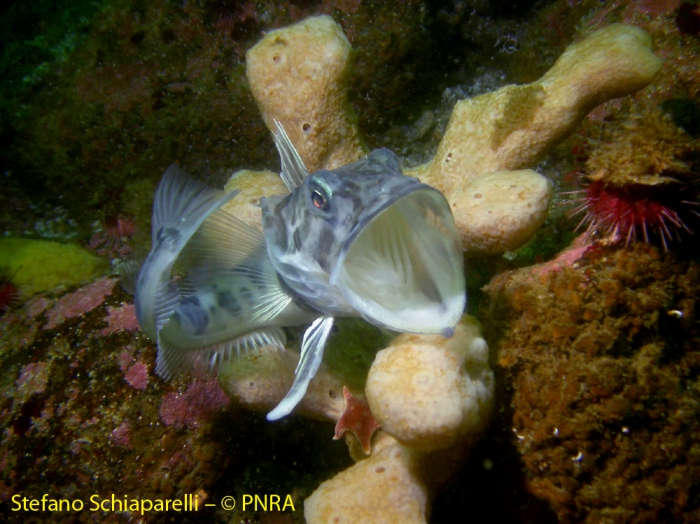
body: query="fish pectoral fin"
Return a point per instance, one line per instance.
(293, 169)
(222, 241)
(309, 361)
(173, 361)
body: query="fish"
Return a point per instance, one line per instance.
(225, 298)
(362, 240)
(181, 204)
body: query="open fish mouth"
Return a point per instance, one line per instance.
(402, 267)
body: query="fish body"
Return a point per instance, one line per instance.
(232, 299)
(361, 240)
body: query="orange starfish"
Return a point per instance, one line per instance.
(357, 418)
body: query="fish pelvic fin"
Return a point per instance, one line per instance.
(312, 348)
(172, 361)
(293, 169)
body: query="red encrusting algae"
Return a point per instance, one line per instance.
(80, 302)
(121, 318)
(193, 406)
(137, 376)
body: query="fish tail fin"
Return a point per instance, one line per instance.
(182, 199)
(180, 207)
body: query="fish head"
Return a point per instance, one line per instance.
(366, 239)
(305, 231)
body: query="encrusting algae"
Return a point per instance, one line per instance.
(644, 147)
(601, 399)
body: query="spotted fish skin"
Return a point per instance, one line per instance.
(232, 301)
(305, 241)
(229, 298)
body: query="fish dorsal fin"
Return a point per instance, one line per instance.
(180, 198)
(231, 253)
(173, 361)
(293, 169)
(309, 361)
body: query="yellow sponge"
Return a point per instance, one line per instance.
(42, 265)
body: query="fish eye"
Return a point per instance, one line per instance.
(319, 200)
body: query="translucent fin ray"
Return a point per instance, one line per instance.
(167, 300)
(221, 240)
(172, 361)
(293, 169)
(232, 254)
(129, 274)
(180, 198)
(309, 361)
(181, 205)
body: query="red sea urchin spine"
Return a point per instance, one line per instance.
(119, 228)
(114, 236)
(622, 211)
(8, 295)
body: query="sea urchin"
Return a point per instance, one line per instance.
(642, 179)
(114, 236)
(623, 212)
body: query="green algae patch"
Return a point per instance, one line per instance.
(42, 265)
